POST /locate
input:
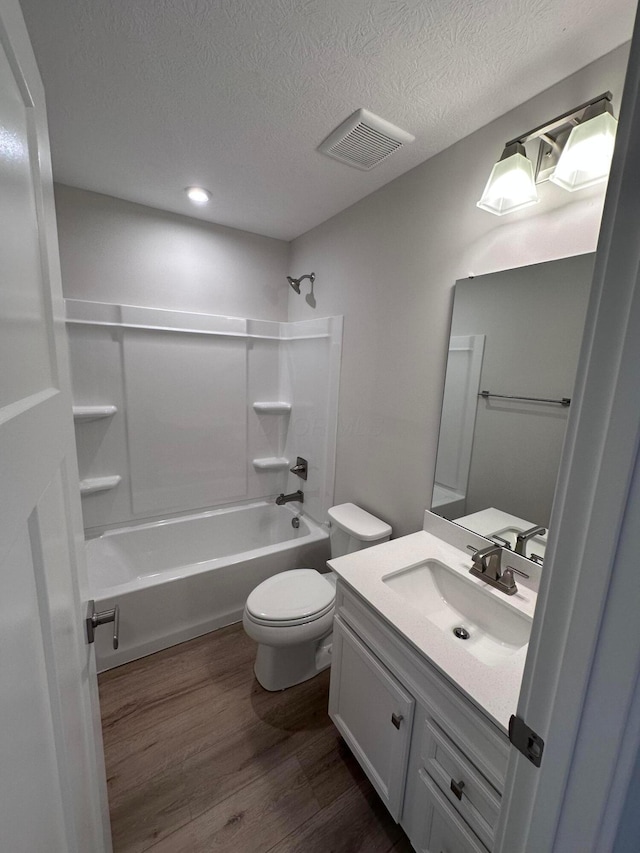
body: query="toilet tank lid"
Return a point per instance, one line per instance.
(358, 522)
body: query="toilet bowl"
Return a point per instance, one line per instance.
(290, 615)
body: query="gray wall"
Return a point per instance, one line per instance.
(115, 251)
(389, 263)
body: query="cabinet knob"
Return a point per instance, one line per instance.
(457, 787)
(396, 719)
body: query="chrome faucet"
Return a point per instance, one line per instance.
(523, 538)
(294, 496)
(487, 567)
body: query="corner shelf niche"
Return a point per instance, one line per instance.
(272, 408)
(93, 413)
(271, 463)
(90, 485)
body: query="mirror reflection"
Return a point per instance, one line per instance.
(513, 355)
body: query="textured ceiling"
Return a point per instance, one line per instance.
(147, 97)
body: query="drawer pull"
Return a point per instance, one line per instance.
(457, 787)
(396, 719)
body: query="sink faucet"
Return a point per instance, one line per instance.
(523, 538)
(486, 562)
(294, 496)
(487, 567)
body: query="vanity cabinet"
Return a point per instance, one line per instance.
(440, 768)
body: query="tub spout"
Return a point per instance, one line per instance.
(294, 496)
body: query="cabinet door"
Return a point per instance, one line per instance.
(373, 712)
(442, 830)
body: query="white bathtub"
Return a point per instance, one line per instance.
(180, 578)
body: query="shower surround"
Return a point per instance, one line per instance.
(179, 413)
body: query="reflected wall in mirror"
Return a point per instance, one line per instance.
(515, 333)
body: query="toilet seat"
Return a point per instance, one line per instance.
(291, 598)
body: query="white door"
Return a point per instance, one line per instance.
(52, 783)
(581, 686)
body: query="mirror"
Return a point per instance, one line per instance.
(515, 334)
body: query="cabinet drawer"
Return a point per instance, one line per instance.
(462, 784)
(443, 830)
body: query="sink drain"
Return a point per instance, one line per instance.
(461, 633)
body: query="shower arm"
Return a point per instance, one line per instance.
(295, 282)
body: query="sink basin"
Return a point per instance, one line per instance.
(496, 630)
(535, 545)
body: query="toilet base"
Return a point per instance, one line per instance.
(279, 667)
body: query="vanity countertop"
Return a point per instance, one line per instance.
(494, 689)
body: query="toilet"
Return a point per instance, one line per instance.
(290, 615)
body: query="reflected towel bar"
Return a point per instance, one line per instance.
(565, 401)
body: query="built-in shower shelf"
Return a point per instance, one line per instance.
(271, 463)
(275, 408)
(93, 413)
(99, 484)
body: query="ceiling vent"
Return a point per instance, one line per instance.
(364, 140)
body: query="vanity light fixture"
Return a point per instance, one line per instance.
(198, 195)
(575, 151)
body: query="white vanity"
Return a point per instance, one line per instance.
(426, 712)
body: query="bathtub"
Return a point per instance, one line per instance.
(180, 578)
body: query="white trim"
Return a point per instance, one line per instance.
(579, 688)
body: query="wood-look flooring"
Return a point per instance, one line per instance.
(200, 758)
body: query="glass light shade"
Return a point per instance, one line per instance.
(510, 186)
(586, 158)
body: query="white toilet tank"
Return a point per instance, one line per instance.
(353, 528)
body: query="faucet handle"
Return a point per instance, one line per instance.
(507, 580)
(300, 468)
(518, 572)
(500, 540)
(476, 556)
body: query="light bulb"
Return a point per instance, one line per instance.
(198, 195)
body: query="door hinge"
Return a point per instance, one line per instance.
(526, 740)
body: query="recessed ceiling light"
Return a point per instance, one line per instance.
(198, 195)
